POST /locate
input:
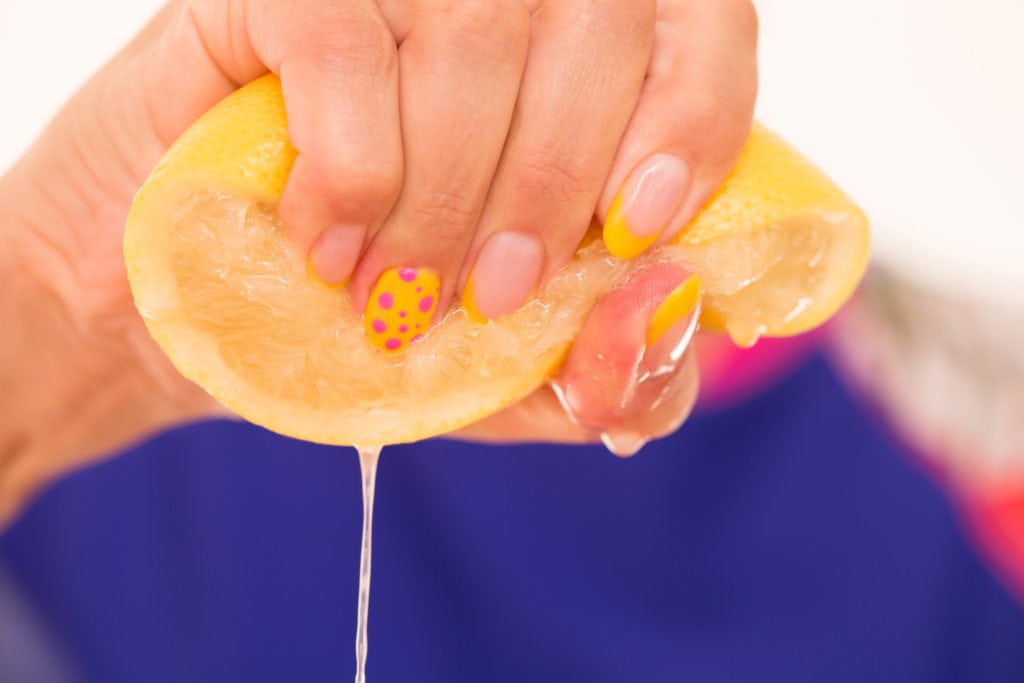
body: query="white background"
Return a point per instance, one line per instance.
(915, 107)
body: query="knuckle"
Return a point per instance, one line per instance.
(714, 120)
(345, 48)
(556, 174)
(448, 216)
(706, 116)
(715, 125)
(370, 183)
(357, 187)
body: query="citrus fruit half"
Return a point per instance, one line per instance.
(235, 307)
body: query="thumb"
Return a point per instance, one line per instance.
(628, 356)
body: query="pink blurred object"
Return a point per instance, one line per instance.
(947, 377)
(729, 373)
(997, 520)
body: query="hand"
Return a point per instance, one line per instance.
(696, 107)
(539, 92)
(88, 377)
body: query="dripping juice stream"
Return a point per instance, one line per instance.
(368, 469)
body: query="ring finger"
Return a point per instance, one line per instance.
(586, 66)
(460, 64)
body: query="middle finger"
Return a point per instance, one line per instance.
(584, 71)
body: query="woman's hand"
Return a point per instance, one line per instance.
(472, 138)
(483, 153)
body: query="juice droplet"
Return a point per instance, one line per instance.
(368, 469)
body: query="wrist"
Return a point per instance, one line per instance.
(79, 375)
(76, 385)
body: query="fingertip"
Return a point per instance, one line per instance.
(697, 104)
(334, 185)
(401, 307)
(599, 380)
(504, 276)
(340, 86)
(329, 215)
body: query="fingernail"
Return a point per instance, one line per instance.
(645, 205)
(623, 443)
(335, 252)
(680, 303)
(469, 303)
(505, 275)
(401, 307)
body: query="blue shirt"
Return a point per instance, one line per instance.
(784, 539)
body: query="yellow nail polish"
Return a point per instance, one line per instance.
(680, 302)
(401, 307)
(469, 303)
(618, 239)
(312, 274)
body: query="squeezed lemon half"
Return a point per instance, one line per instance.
(233, 304)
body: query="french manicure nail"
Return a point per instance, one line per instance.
(469, 303)
(335, 252)
(680, 302)
(505, 275)
(401, 307)
(645, 205)
(670, 331)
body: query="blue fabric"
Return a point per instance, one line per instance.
(782, 540)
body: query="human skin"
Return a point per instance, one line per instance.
(566, 130)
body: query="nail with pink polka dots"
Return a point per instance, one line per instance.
(401, 307)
